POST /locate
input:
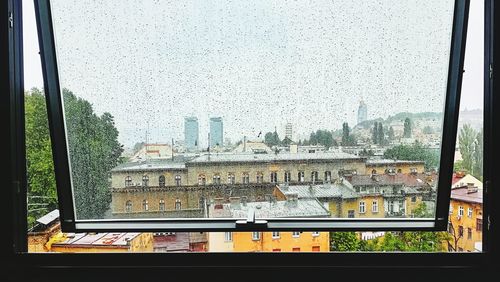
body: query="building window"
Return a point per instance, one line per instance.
(161, 181)
(216, 179)
(276, 235)
(177, 204)
(316, 248)
(177, 180)
(451, 209)
(246, 178)
(296, 249)
(161, 206)
(295, 234)
(460, 231)
(328, 176)
(469, 233)
(230, 178)
(399, 170)
(375, 206)
(128, 181)
(276, 250)
(315, 233)
(260, 177)
(479, 225)
(414, 199)
(255, 236)
(202, 181)
(374, 171)
(201, 203)
(128, 206)
(145, 206)
(413, 170)
(145, 180)
(274, 177)
(287, 177)
(314, 176)
(450, 228)
(350, 214)
(460, 211)
(362, 208)
(228, 236)
(469, 212)
(300, 176)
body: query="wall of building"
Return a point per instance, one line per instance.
(404, 167)
(118, 178)
(217, 242)
(243, 242)
(465, 243)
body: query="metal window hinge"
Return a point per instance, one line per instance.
(491, 71)
(250, 221)
(11, 20)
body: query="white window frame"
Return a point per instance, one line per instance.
(295, 234)
(470, 211)
(276, 234)
(375, 206)
(228, 236)
(315, 233)
(362, 207)
(256, 236)
(460, 211)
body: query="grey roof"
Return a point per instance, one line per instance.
(389, 161)
(277, 209)
(152, 164)
(324, 156)
(337, 190)
(49, 218)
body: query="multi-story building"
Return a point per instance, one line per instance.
(397, 166)
(289, 131)
(466, 219)
(269, 241)
(362, 112)
(216, 132)
(103, 242)
(191, 134)
(152, 151)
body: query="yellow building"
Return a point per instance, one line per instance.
(466, 219)
(270, 241)
(396, 166)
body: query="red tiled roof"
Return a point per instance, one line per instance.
(456, 177)
(461, 194)
(177, 242)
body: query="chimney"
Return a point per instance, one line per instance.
(244, 200)
(235, 203)
(292, 199)
(471, 188)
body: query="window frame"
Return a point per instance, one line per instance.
(91, 266)
(63, 177)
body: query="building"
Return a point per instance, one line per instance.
(398, 166)
(152, 151)
(269, 241)
(289, 131)
(461, 180)
(255, 147)
(179, 242)
(191, 134)
(362, 112)
(216, 132)
(466, 219)
(45, 228)
(103, 243)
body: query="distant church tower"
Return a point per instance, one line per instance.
(362, 112)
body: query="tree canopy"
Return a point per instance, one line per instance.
(415, 152)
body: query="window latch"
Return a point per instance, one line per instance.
(250, 222)
(11, 20)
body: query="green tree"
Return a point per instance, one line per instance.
(390, 133)
(42, 197)
(344, 241)
(478, 156)
(466, 145)
(347, 138)
(286, 141)
(94, 150)
(427, 130)
(272, 139)
(407, 128)
(375, 133)
(415, 152)
(381, 136)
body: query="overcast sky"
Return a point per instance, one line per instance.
(257, 64)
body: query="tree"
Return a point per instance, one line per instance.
(375, 133)
(344, 241)
(407, 128)
(390, 133)
(466, 145)
(42, 197)
(478, 156)
(381, 136)
(286, 141)
(415, 152)
(347, 138)
(272, 139)
(94, 150)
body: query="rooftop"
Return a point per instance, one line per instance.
(274, 157)
(418, 180)
(97, 239)
(342, 190)
(153, 164)
(276, 209)
(467, 195)
(389, 161)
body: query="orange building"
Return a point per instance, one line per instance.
(466, 219)
(103, 243)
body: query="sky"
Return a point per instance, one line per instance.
(257, 64)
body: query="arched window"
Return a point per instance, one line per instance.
(202, 180)
(300, 176)
(246, 178)
(145, 206)
(287, 176)
(128, 181)
(230, 178)
(374, 171)
(177, 204)
(177, 180)
(128, 206)
(274, 177)
(145, 180)
(314, 176)
(260, 177)
(161, 206)
(161, 181)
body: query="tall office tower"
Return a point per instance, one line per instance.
(288, 131)
(362, 112)
(216, 132)
(191, 136)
